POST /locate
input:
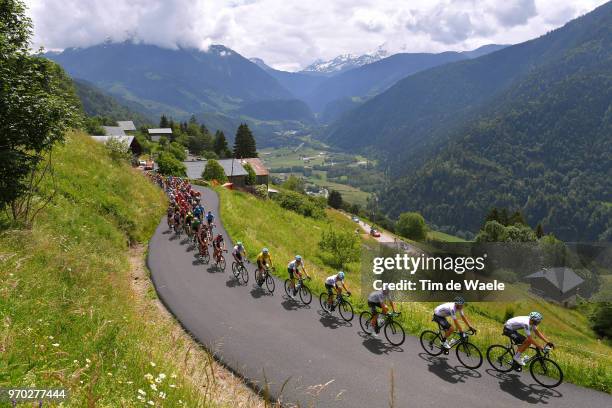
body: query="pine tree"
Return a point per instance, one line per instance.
(163, 121)
(517, 218)
(220, 144)
(244, 144)
(334, 199)
(539, 231)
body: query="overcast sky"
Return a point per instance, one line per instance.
(290, 34)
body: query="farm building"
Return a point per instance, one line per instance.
(261, 171)
(126, 125)
(558, 284)
(130, 142)
(156, 134)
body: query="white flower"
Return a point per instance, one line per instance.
(149, 376)
(162, 375)
(141, 392)
(55, 344)
(151, 403)
(162, 395)
(172, 386)
(154, 387)
(76, 361)
(110, 374)
(152, 364)
(88, 360)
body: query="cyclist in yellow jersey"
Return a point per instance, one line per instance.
(264, 260)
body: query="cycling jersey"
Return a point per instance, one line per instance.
(188, 219)
(195, 224)
(198, 211)
(293, 265)
(520, 323)
(378, 297)
(448, 309)
(264, 258)
(210, 217)
(332, 280)
(217, 241)
(237, 250)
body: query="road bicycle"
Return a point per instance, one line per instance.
(394, 332)
(267, 278)
(178, 229)
(240, 272)
(340, 302)
(544, 371)
(204, 253)
(467, 353)
(301, 288)
(220, 260)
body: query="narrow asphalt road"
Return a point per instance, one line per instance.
(317, 359)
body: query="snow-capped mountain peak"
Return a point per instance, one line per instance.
(345, 62)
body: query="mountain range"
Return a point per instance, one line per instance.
(526, 127)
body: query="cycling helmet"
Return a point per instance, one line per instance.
(459, 300)
(239, 243)
(341, 275)
(386, 290)
(298, 258)
(536, 317)
(265, 250)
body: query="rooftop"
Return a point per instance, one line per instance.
(257, 165)
(126, 125)
(113, 131)
(165, 131)
(565, 279)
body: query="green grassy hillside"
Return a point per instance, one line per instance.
(585, 359)
(68, 312)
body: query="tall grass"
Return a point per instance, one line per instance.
(66, 306)
(585, 359)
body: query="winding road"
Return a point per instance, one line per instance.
(308, 358)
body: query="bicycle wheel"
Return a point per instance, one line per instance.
(431, 343)
(365, 321)
(394, 332)
(270, 283)
(235, 270)
(346, 311)
(221, 264)
(288, 289)
(244, 274)
(546, 372)
(323, 299)
(305, 295)
(469, 355)
(500, 358)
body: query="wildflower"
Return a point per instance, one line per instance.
(152, 364)
(55, 344)
(162, 395)
(149, 376)
(88, 360)
(151, 403)
(141, 392)
(110, 374)
(172, 386)
(162, 375)
(154, 387)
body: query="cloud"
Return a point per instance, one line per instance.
(290, 34)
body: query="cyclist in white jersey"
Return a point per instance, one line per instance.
(527, 324)
(379, 299)
(450, 309)
(331, 283)
(293, 268)
(239, 252)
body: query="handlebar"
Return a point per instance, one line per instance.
(394, 314)
(471, 332)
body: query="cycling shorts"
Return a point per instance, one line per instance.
(373, 306)
(238, 256)
(516, 337)
(442, 321)
(330, 289)
(293, 272)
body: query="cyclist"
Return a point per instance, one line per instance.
(195, 226)
(264, 260)
(202, 237)
(526, 323)
(379, 299)
(209, 219)
(293, 268)
(170, 213)
(450, 309)
(331, 283)
(198, 211)
(188, 220)
(218, 246)
(239, 253)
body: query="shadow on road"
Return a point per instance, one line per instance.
(292, 304)
(166, 232)
(440, 367)
(232, 282)
(214, 269)
(377, 345)
(174, 237)
(257, 291)
(332, 322)
(533, 394)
